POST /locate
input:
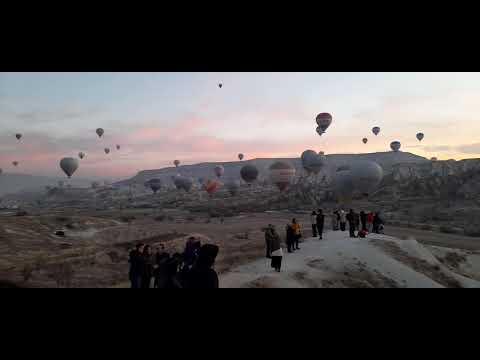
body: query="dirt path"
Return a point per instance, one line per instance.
(435, 238)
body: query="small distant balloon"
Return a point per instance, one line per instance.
(18, 136)
(364, 140)
(69, 166)
(107, 151)
(420, 136)
(220, 85)
(395, 146)
(100, 132)
(434, 159)
(118, 147)
(15, 163)
(81, 155)
(376, 130)
(155, 185)
(324, 120)
(176, 163)
(240, 157)
(219, 170)
(321, 153)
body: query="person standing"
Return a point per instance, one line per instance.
(290, 238)
(356, 217)
(377, 222)
(320, 223)
(343, 220)
(297, 233)
(370, 221)
(203, 275)
(277, 252)
(147, 267)
(268, 241)
(363, 220)
(335, 220)
(135, 272)
(351, 223)
(313, 219)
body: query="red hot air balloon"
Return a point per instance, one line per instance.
(282, 174)
(212, 186)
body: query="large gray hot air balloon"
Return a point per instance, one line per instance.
(312, 162)
(176, 163)
(376, 130)
(155, 185)
(232, 186)
(249, 173)
(395, 146)
(219, 170)
(100, 132)
(420, 136)
(81, 155)
(107, 151)
(18, 136)
(366, 176)
(343, 186)
(323, 120)
(15, 163)
(364, 140)
(240, 157)
(69, 166)
(282, 174)
(183, 183)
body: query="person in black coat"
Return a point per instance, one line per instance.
(146, 263)
(290, 238)
(202, 275)
(320, 223)
(135, 272)
(351, 223)
(377, 221)
(363, 220)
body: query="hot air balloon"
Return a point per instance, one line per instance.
(366, 176)
(176, 163)
(219, 170)
(240, 157)
(434, 159)
(100, 132)
(107, 151)
(376, 130)
(249, 173)
(69, 166)
(343, 186)
(81, 155)
(232, 186)
(312, 162)
(364, 140)
(118, 147)
(323, 120)
(321, 153)
(282, 174)
(18, 136)
(155, 185)
(212, 186)
(183, 183)
(395, 146)
(15, 163)
(220, 85)
(420, 136)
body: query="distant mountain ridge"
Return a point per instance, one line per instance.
(14, 183)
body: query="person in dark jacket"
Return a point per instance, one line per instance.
(377, 221)
(290, 238)
(356, 217)
(313, 218)
(363, 220)
(277, 252)
(191, 252)
(160, 253)
(268, 241)
(351, 223)
(147, 262)
(202, 275)
(161, 272)
(320, 223)
(135, 272)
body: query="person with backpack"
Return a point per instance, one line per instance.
(320, 223)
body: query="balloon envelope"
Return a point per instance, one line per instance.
(312, 162)
(365, 140)
(15, 163)
(118, 147)
(107, 150)
(376, 130)
(176, 163)
(240, 157)
(81, 155)
(69, 166)
(212, 186)
(343, 185)
(155, 185)
(100, 132)
(282, 174)
(249, 173)
(219, 170)
(366, 176)
(18, 136)
(420, 136)
(183, 183)
(433, 159)
(395, 146)
(323, 120)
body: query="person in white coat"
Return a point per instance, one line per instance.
(343, 220)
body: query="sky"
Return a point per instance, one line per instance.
(159, 117)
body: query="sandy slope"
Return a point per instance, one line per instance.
(338, 261)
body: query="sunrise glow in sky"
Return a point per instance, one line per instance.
(159, 117)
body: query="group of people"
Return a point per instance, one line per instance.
(191, 269)
(370, 222)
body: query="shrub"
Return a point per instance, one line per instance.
(426, 227)
(446, 229)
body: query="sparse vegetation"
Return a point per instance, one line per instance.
(447, 229)
(62, 274)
